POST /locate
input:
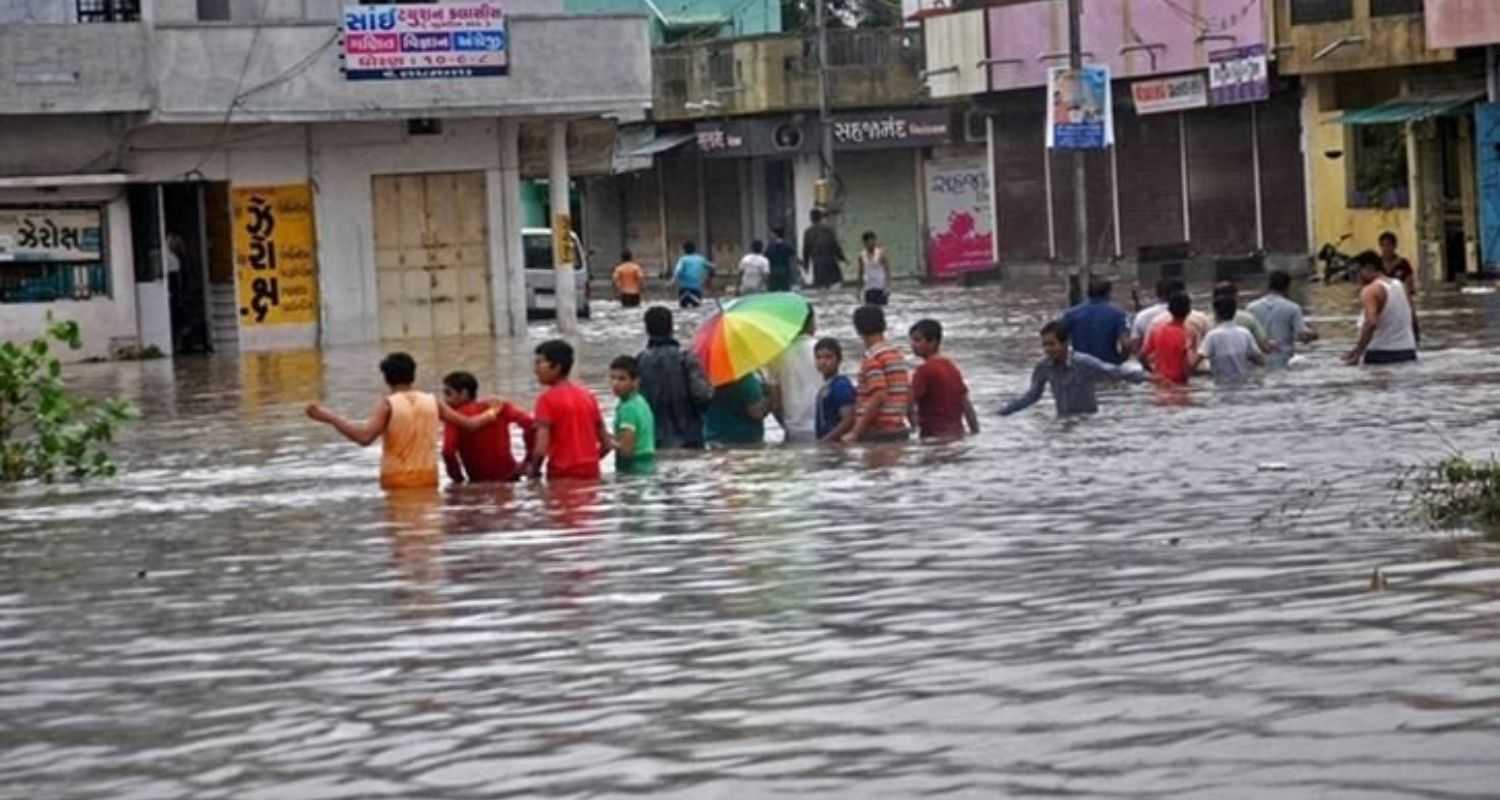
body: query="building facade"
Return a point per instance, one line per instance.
(1394, 108)
(1206, 154)
(285, 174)
(733, 150)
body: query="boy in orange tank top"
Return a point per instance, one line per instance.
(407, 423)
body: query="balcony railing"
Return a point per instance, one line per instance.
(109, 10)
(777, 73)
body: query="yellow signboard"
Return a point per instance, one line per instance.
(275, 261)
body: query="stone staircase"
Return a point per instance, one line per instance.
(226, 318)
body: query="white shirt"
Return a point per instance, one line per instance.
(1228, 348)
(1145, 318)
(796, 372)
(1393, 331)
(754, 269)
(874, 267)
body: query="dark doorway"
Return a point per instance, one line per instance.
(781, 201)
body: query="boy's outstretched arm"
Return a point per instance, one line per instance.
(1027, 400)
(971, 416)
(467, 424)
(363, 434)
(606, 441)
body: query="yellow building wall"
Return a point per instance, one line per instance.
(1328, 183)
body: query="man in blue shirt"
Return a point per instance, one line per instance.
(1097, 328)
(691, 276)
(1072, 376)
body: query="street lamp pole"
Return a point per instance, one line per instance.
(825, 118)
(1081, 271)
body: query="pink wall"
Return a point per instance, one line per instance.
(1031, 29)
(1462, 23)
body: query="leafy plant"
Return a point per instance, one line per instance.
(45, 430)
(1459, 491)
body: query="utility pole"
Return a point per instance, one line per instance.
(1081, 272)
(825, 117)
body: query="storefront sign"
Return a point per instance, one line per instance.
(1240, 75)
(275, 262)
(959, 234)
(446, 40)
(1177, 93)
(50, 234)
(919, 127)
(1080, 115)
(752, 138)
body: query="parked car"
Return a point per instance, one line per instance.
(541, 283)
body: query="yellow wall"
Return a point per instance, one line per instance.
(1328, 182)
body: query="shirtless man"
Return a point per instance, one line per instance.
(1386, 331)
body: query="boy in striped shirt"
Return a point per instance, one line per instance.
(884, 383)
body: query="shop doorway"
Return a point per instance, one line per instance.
(432, 255)
(781, 199)
(182, 254)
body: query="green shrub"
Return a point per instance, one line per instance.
(1459, 491)
(45, 430)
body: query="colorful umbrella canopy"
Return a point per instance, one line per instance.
(749, 333)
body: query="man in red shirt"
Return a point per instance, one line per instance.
(570, 432)
(485, 455)
(939, 396)
(1170, 345)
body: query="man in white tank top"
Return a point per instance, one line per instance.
(1386, 332)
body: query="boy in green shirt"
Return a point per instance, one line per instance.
(635, 426)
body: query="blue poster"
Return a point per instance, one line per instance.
(1080, 114)
(1487, 137)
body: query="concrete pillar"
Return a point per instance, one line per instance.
(562, 228)
(760, 223)
(507, 253)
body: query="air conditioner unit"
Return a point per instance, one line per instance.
(976, 127)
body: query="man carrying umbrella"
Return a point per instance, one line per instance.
(747, 335)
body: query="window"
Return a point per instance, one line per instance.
(721, 68)
(109, 10)
(1378, 173)
(672, 78)
(1312, 12)
(214, 11)
(1394, 8)
(857, 49)
(52, 254)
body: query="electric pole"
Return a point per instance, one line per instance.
(825, 117)
(1081, 272)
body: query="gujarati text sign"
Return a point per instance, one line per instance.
(50, 234)
(275, 266)
(443, 40)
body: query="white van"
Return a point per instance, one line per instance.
(541, 284)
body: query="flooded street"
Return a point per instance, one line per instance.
(1119, 606)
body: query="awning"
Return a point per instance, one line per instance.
(661, 144)
(1410, 108)
(58, 181)
(692, 22)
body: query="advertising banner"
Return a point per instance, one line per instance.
(1240, 75)
(50, 234)
(275, 261)
(409, 41)
(959, 235)
(1177, 93)
(1080, 114)
(916, 127)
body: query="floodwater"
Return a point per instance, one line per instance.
(1121, 606)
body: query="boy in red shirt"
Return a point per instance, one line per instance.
(570, 432)
(1170, 345)
(939, 398)
(483, 456)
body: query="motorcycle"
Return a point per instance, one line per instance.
(1337, 265)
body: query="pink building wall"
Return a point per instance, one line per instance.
(1462, 23)
(1182, 34)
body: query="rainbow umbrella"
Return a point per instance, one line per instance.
(749, 333)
